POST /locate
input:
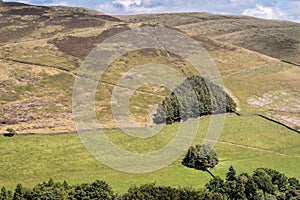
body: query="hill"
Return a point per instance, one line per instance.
(275, 38)
(41, 49)
(37, 67)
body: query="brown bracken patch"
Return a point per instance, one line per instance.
(80, 47)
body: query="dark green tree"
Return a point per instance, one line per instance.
(96, 190)
(201, 158)
(263, 184)
(294, 184)
(66, 185)
(49, 190)
(9, 195)
(231, 174)
(232, 189)
(264, 181)
(19, 192)
(278, 179)
(293, 195)
(3, 194)
(217, 185)
(50, 182)
(235, 190)
(251, 188)
(154, 192)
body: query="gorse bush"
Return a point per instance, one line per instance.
(195, 97)
(9, 132)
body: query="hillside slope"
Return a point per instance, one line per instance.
(42, 48)
(275, 38)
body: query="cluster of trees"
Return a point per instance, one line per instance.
(266, 184)
(263, 184)
(195, 97)
(56, 190)
(99, 190)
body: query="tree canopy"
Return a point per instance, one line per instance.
(195, 97)
(152, 191)
(262, 184)
(201, 158)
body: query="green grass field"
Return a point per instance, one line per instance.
(246, 143)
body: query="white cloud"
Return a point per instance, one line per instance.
(135, 6)
(156, 6)
(127, 3)
(261, 11)
(26, 2)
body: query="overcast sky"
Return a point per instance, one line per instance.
(269, 9)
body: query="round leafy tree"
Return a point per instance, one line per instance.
(201, 158)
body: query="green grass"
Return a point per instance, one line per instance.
(33, 159)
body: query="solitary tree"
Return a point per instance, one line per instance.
(201, 158)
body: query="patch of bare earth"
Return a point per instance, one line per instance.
(280, 105)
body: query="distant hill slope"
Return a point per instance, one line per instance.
(278, 39)
(41, 49)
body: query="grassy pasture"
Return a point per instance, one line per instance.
(246, 143)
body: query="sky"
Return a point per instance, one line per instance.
(268, 9)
